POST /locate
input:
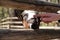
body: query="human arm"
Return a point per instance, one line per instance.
(49, 17)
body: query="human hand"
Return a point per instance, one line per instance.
(48, 17)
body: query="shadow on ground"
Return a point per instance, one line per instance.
(29, 35)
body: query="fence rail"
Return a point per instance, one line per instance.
(11, 23)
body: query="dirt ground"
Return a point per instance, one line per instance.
(30, 35)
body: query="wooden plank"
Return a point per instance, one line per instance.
(26, 6)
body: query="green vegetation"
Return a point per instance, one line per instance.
(4, 12)
(1, 15)
(54, 1)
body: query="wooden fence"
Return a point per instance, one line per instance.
(11, 23)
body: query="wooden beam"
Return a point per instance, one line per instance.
(26, 6)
